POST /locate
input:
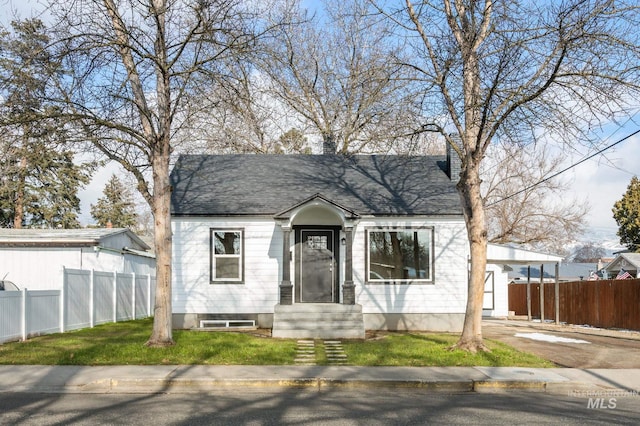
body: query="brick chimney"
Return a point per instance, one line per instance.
(454, 163)
(328, 145)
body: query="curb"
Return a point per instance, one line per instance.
(493, 386)
(124, 386)
(136, 386)
(319, 383)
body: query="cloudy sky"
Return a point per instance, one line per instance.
(602, 180)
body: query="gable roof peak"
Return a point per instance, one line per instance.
(315, 200)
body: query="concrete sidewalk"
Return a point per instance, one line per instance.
(199, 378)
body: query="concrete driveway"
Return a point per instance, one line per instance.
(568, 346)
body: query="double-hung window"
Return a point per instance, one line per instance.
(399, 255)
(227, 255)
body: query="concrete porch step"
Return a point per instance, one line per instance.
(334, 324)
(318, 307)
(317, 334)
(318, 321)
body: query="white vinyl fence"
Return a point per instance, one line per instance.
(87, 298)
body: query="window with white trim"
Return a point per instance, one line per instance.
(227, 255)
(399, 255)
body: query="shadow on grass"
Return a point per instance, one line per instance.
(124, 344)
(432, 349)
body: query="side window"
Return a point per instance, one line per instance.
(227, 255)
(399, 255)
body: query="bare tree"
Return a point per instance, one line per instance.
(134, 70)
(248, 118)
(513, 71)
(339, 73)
(524, 204)
(589, 252)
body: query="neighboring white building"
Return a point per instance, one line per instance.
(319, 245)
(34, 258)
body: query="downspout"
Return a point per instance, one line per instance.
(556, 290)
(541, 294)
(529, 293)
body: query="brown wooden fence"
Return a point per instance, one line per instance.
(603, 303)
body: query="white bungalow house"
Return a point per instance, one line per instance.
(626, 262)
(318, 245)
(34, 258)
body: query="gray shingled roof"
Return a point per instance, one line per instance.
(215, 185)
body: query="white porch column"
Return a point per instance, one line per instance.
(348, 288)
(286, 288)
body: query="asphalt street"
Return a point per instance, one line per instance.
(285, 406)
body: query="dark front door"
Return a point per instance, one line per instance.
(316, 266)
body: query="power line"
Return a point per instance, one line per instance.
(620, 126)
(565, 169)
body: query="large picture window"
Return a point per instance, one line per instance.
(227, 255)
(399, 255)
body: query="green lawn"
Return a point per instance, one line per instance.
(123, 343)
(431, 349)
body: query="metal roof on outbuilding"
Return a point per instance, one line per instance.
(85, 237)
(261, 184)
(498, 253)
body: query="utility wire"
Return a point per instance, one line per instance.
(565, 169)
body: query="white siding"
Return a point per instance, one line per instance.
(447, 294)
(119, 241)
(500, 293)
(192, 291)
(37, 268)
(104, 260)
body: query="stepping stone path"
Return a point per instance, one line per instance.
(306, 352)
(335, 352)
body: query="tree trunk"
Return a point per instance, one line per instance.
(473, 209)
(18, 210)
(162, 321)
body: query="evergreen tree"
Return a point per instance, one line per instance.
(116, 207)
(39, 182)
(626, 212)
(293, 141)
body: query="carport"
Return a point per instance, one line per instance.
(499, 257)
